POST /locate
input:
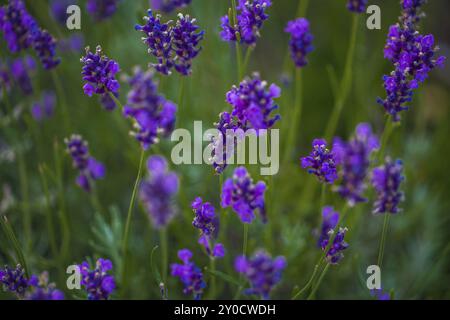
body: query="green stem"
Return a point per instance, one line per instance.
(212, 267)
(62, 96)
(24, 189)
(308, 284)
(383, 239)
(245, 241)
(314, 290)
(387, 132)
(165, 254)
(9, 232)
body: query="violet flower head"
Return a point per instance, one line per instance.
(386, 180)
(44, 108)
(89, 168)
(45, 46)
(157, 192)
(412, 12)
(354, 158)
(97, 282)
(189, 274)
(253, 103)
(321, 162)
(301, 41)
(99, 73)
(379, 294)
(154, 115)
(101, 9)
(158, 37)
(335, 254)
(330, 219)
(186, 38)
(208, 223)
(263, 272)
(20, 70)
(168, 6)
(251, 15)
(14, 280)
(357, 6)
(16, 25)
(41, 289)
(243, 196)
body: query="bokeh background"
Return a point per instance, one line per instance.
(416, 261)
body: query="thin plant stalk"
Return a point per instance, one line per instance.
(212, 267)
(59, 89)
(25, 205)
(383, 239)
(165, 254)
(319, 281)
(308, 284)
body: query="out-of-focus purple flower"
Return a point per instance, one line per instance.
(20, 71)
(386, 180)
(97, 282)
(412, 12)
(101, 9)
(44, 108)
(58, 9)
(99, 73)
(379, 294)
(243, 196)
(321, 162)
(262, 272)
(168, 6)
(43, 290)
(158, 191)
(301, 41)
(14, 280)
(5, 78)
(330, 219)
(357, 6)
(153, 114)
(108, 102)
(45, 46)
(253, 103)
(89, 168)
(207, 222)
(250, 17)
(189, 274)
(16, 25)
(354, 158)
(186, 39)
(74, 43)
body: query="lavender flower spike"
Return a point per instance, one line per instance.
(168, 6)
(97, 282)
(330, 220)
(321, 162)
(243, 196)
(101, 9)
(14, 280)
(386, 180)
(262, 271)
(158, 191)
(45, 46)
(357, 6)
(301, 41)
(41, 289)
(189, 274)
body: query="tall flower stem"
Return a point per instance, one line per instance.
(212, 268)
(319, 281)
(345, 84)
(308, 284)
(383, 239)
(245, 240)
(24, 190)
(165, 254)
(240, 72)
(59, 89)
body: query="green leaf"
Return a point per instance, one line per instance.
(9, 232)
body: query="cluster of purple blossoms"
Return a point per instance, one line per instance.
(20, 70)
(99, 72)
(89, 168)
(41, 289)
(97, 282)
(357, 6)
(329, 223)
(172, 46)
(301, 41)
(189, 274)
(253, 103)
(321, 162)
(45, 46)
(249, 20)
(44, 108)
(354, 158)
(262, 271)
(14, 280)
(101, 9)
(243, 196)
(208, 223)
(386, 180)
(168, 5)
(153, 114)
(158, 191)
(413, 56)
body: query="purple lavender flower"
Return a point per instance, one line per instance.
(158, 191)
(330, 219)
(207, 222)
(89, 168)
(20, 71)
(354, 158)
(99, 73)
(262, 271)
(186, 38)
(41, 289)
(5, 78)
(379, 294)
(74, 43)
(321, 162)
(101, 9)
(386, 180)
(153, 114)
(243, 196)
(301, 40)
(189, 274)
(357, 6)
(250, 17)
(44, 45)
(58, 9)
(97, 282)
(158, 38)
(14, 280)
(16, 25)
(168, 6)
(334, 254)
(44, 108)
(412, 12)
(253, 103)
(108, 103)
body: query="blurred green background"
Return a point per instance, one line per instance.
(416, 261)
